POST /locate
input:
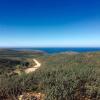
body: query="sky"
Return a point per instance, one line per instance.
(49, 23)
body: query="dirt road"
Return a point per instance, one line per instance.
(32, 69)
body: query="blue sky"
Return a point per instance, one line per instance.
(49, 23)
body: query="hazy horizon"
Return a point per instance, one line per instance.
(49, 23)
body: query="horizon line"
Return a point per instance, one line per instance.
(49, 47)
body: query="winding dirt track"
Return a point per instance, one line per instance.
(32, 69)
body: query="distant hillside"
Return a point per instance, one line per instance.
(19, 53)
(11, 59)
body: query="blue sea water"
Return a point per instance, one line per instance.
(58, 50)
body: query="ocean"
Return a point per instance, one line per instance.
(59, 50)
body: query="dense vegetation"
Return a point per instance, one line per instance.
(61, 77)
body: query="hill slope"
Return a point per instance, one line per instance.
(60, 77)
